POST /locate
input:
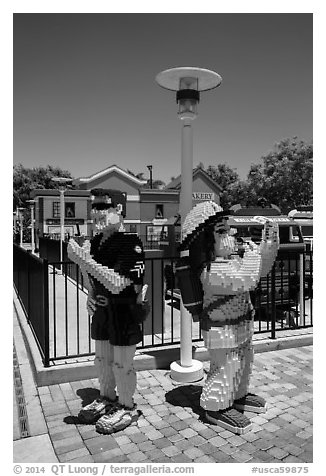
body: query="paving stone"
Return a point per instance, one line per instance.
(235, 440)
(138, 437)
(197, 440)
(194, 453)
(228, 449)
(175, 437)
(180, 425)
(261, 456)
(181, 458)
(162, 443)
(67, 445)
(65, 433)
(154, 434)
(106, 456)
(73, 455)
(217, 441)
(304, 435)
(120, 459)
(250, 436)
(271, 427)
(188, 433)
(292, 459)
(129, 448)
(80, 459)
(154, 455)
(171, 450)
(277, 453)
(221, 457)
(122, 440)
(198, 425)
(100, 444)
(168, 431)
(137, 457)
(249, 448)
(262, 444)
(242, 456)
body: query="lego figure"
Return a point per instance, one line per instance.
(215, 280)
(113, 266)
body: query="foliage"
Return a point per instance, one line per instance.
(229, 180)
(26, 179)
(285, 177)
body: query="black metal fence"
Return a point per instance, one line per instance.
(54, 300)
(30, 275)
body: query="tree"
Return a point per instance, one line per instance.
(229, 180)
(27, 179)
(285, 177)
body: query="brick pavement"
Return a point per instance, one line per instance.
(173, 427)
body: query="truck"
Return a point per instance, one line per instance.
(287, 287)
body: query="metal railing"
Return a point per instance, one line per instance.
(54, 300)
(30, 275)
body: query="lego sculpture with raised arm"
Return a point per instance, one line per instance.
(112, 264)
(215, 281)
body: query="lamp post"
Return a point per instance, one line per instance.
(32, 202)
(188, 82)
(150, 168)
(62, 181)
(21, 219)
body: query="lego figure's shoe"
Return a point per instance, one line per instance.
(231, 420)
(92, 412)
(117, 419)
(251, 403)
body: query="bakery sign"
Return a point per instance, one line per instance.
(203, 196)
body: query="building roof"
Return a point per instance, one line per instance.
(198, 171)
(55, 192)
(107, 171)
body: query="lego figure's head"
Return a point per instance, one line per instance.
(202, 217)
(108, 210)
(225, 243)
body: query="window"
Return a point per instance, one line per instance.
(159, 211)
(69, 210)
(56, 210)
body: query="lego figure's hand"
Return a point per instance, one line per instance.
(270, 231)
(90, 305)
(195, 317)
(142, 294)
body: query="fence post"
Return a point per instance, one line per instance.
(46, 313)
(28, 288)
(273, 296)
(301, 291)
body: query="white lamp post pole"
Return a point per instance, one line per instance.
(31, 202)
(62, 181)
(21, 219)
(187, 82)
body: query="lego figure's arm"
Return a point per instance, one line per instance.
(269, 247)
(110, 279)
(232, 276)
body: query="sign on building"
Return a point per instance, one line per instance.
(203, 196)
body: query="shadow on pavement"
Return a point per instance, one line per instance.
(187, 396)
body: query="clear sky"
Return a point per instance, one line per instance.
(85, 95)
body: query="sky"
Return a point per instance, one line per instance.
(85, 95)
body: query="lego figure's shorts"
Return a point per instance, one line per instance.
(228, 336)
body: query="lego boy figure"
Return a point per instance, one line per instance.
(113, 265)
(215, 280)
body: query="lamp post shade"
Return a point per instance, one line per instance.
(186, 77)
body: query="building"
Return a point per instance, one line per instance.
(148, 211)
